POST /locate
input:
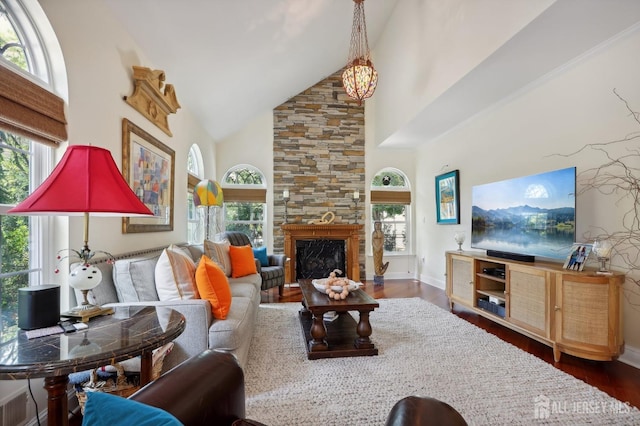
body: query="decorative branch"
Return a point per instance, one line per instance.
(619, 178)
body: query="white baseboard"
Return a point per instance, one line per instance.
(393, 276)
(433, 282)
(631, 356)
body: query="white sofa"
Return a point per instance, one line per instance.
(131, 281)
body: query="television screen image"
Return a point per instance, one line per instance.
(531, 215)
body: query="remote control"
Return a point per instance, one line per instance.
(68, 327)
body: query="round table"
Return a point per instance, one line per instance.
(129, 332)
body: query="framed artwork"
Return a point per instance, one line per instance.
(577, 256)
(148, 166)
(448, 198)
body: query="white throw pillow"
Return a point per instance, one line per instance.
(219, 253)
(175, 276)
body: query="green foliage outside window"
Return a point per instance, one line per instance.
(244, 176)
(247, 218)
(393, 220)
(394, 179)
(10, 46)
(14, 187)
(392, 216)
(14, 230)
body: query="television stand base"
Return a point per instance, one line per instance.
(511, 256)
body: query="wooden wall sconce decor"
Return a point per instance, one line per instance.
(150, 99)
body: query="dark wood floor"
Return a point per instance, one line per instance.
(619, 380)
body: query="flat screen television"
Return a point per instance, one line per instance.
(525, 217)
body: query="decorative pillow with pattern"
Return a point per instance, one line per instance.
(219, 253)
(175, 276)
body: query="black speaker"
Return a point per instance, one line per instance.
(38, 306)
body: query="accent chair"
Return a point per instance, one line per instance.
(273, 274)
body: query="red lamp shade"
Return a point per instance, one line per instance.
(86, 180)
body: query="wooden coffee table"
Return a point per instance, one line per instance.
(342, 337)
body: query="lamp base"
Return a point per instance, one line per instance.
(83, 314)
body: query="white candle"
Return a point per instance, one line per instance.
(285, 193)
(356, 195)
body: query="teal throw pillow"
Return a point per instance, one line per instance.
(103, 409)
(260, 253)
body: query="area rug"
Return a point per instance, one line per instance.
(426, 351)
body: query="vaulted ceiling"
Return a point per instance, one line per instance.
(231, 60)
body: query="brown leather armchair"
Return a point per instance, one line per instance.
(208, 389)
(417, 411)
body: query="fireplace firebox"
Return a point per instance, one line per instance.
(318, 258)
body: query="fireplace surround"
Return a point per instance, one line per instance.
(349, 233)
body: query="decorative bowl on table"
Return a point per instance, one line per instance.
(320, 285)
(336, 292)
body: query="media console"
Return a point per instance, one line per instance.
(578, 313)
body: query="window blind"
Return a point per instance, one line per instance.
(245, 195)
(30, 110)
(391, 197)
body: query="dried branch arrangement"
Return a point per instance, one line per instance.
(619, 177)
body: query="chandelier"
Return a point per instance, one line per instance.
(359, 77)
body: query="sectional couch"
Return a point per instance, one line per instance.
(130, 280)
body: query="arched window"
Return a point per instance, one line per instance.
(195, 173)
(245, 202)
(390, 204)
(29, 53)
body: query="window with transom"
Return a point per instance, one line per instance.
(390, 204)
(245, 191)
(24, 163)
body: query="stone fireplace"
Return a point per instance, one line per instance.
(320, 247)
(319, 158)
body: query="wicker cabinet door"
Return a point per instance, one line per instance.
(588, 315)
(460, 279)
(528, 292)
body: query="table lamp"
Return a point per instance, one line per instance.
(207, 194)
(85, 181)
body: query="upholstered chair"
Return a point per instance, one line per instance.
(273, 274)
(415, 411)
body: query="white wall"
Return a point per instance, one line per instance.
(561, 114)
(376, 159)
(252, 145)
(430, 44)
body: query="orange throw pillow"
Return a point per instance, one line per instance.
(213, 286)
(242, 261)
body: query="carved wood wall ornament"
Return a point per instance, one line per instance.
(152, 98)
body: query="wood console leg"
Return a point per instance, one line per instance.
(57, 404)
(556, 353)
(319, 334)
(364, 331)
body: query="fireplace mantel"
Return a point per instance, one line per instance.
(347, 232)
